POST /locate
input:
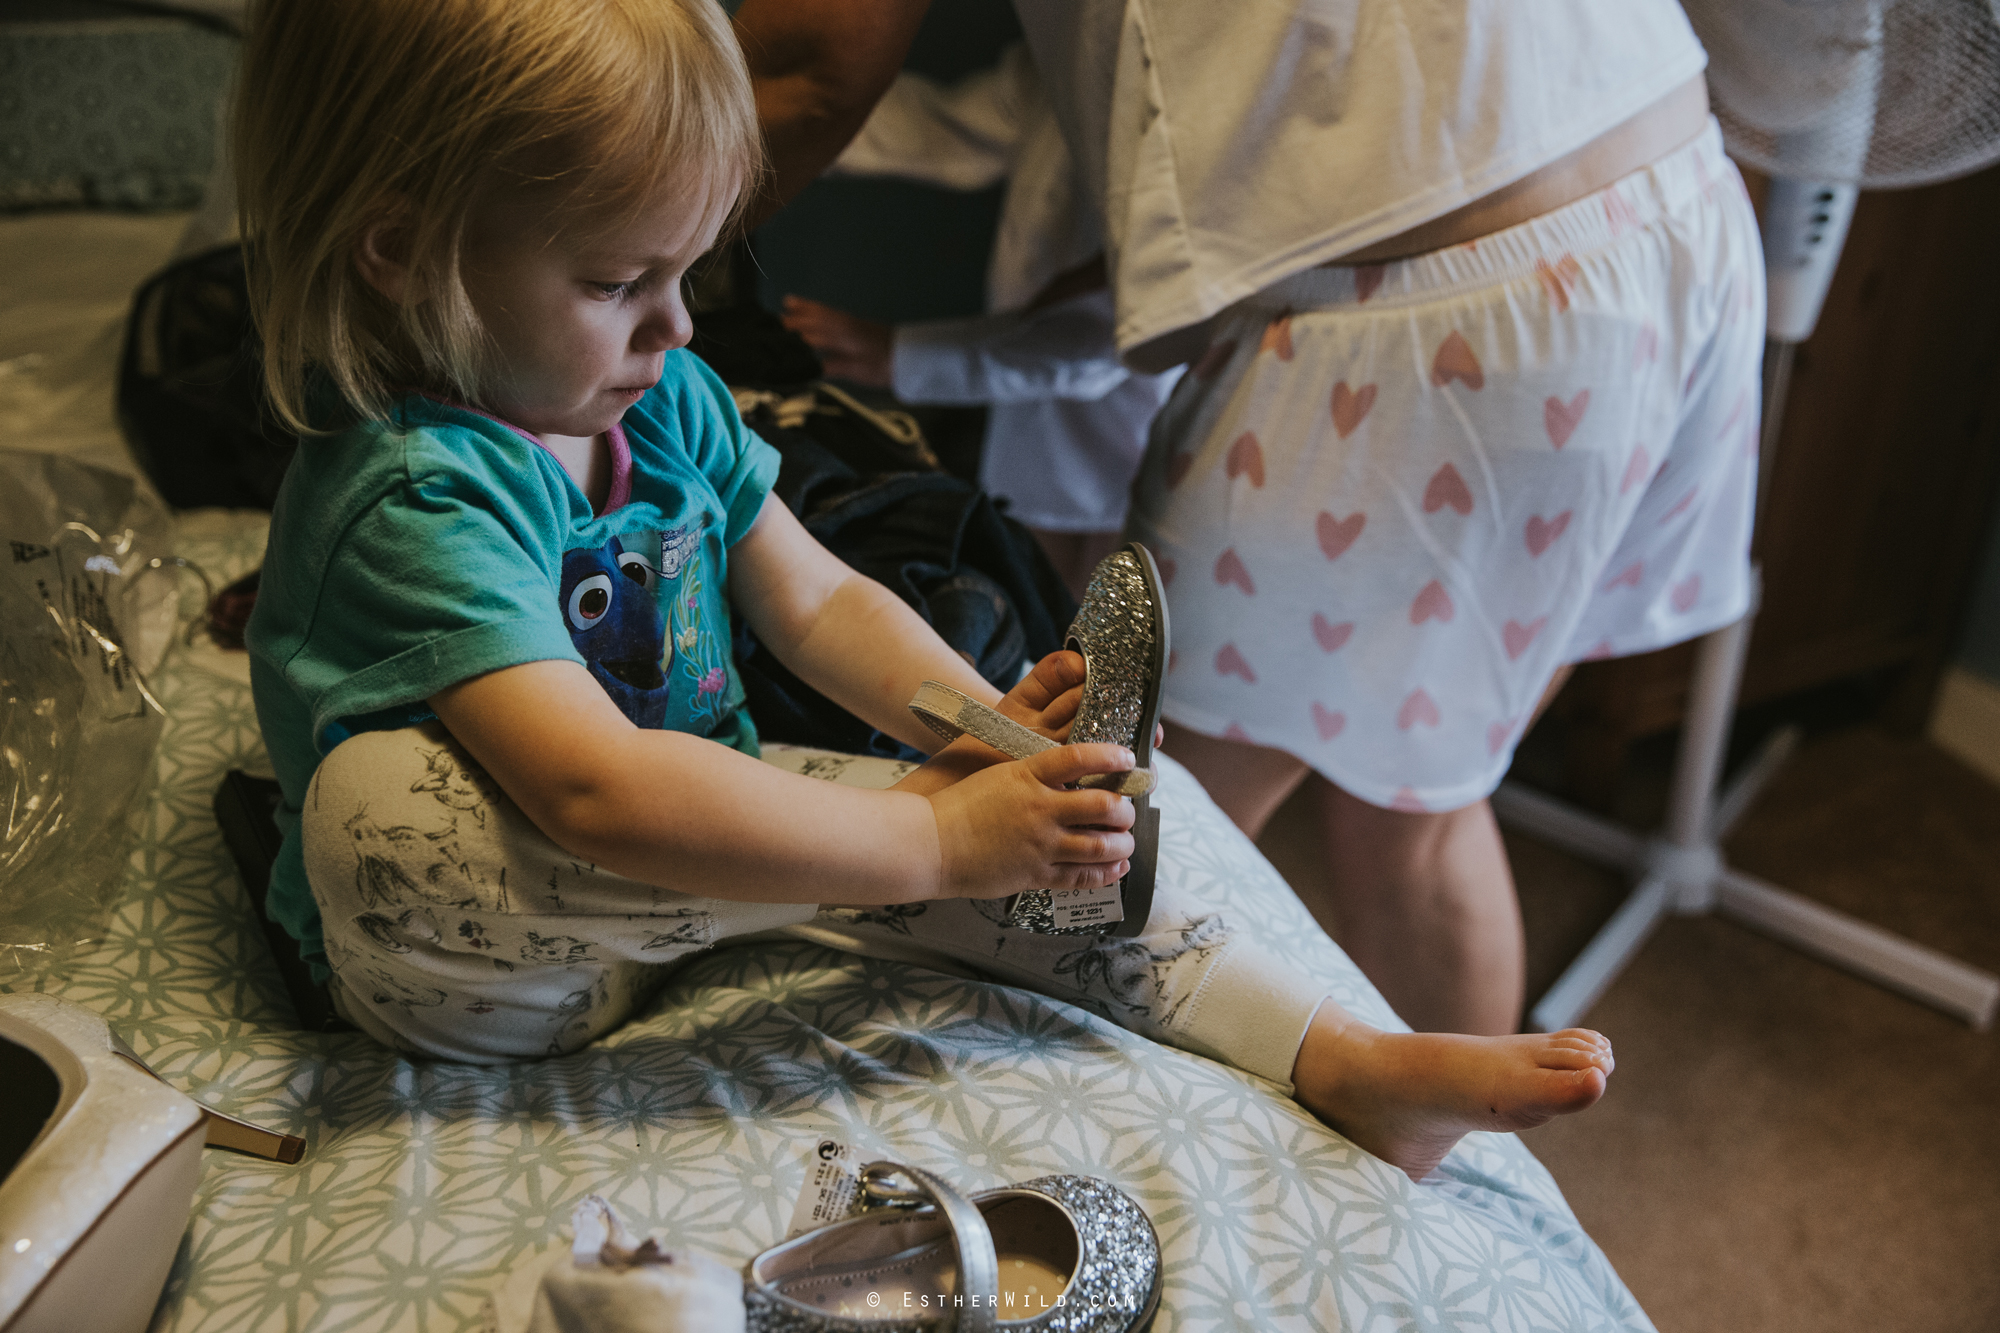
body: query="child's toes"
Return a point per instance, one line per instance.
(1574, 1089)
(1584, 1035)
(1587, 1085)
(1566, 1057)
(1578, 1039)
(1553, 1092)
(1573, 1056)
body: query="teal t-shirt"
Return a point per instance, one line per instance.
(411, 554)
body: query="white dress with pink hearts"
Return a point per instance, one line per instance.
(1392, 499)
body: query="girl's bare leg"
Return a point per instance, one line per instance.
(1248, 781)
(1425, 907)
(1423, 903)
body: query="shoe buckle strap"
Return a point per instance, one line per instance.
(978, 1264)
(951, 714)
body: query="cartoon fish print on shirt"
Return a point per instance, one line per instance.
(678, 545)
(702, 649)
(615, 623)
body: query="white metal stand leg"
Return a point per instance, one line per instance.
(1681, 870)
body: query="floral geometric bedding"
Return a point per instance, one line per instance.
(423, 1185)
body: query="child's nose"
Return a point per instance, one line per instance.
(667, 325)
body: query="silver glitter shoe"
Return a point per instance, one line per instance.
(1121, 631)
(1060, 1254)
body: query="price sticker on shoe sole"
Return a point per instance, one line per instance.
(833, 1185)
(1100, 906)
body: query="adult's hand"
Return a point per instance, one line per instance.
(818, 67)
(851, 348)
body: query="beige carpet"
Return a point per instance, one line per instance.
(1785, 1147)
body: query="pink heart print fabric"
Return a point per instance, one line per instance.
(1391, 500)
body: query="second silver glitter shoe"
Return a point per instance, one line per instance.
(1060, 1254)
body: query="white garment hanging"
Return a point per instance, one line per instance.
(1068, 420)
(1232, 145)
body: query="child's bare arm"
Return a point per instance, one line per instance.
(667, 808)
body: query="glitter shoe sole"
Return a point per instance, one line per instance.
(1068, 1253)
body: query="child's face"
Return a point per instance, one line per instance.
(581, 317)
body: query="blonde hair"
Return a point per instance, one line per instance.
(350, 113)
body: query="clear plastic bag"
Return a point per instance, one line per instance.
(88, 606)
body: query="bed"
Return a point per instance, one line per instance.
(424, 1185)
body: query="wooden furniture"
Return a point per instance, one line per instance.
(1881, 497)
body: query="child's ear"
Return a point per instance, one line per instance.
(382, 257)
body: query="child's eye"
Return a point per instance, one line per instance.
(616, 291)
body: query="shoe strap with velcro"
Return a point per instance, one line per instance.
(978, 1264)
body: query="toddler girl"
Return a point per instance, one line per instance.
(491, 652)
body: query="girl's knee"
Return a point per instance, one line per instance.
(1360, 833)
(420, 768)
(404, 818)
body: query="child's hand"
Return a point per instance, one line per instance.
(1045, 699)
(1012, 827)
(1044, 702)
(851, 348)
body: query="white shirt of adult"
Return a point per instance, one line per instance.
(1068, 421)
(1232, 143)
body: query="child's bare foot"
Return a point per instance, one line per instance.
(1408, 1097)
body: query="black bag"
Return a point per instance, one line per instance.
(191, 392)
(862, 480)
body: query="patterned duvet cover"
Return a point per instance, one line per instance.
(424, 1185)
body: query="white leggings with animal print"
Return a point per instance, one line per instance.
(458, 931)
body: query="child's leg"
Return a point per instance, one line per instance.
(458, 931)
(1192, 979)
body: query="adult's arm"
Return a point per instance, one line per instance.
(1059, 351)
(817, 68)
